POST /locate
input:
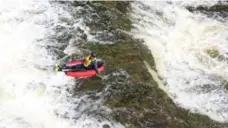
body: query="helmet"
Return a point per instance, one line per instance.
(93, 54)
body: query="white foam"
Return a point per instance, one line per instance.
(29, 95)
(178, 40)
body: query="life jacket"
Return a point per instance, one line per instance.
(88, 61)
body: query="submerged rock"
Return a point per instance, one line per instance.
(216, 11)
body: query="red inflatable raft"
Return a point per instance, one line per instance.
(83, 73)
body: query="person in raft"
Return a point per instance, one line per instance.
(90, 62)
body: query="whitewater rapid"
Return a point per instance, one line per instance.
(31, 94)
(179, 41)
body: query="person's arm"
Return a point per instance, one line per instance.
(95, 66)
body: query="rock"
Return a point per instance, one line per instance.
(106, 126)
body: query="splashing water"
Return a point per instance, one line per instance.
(190, 50)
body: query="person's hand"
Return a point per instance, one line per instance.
(98, 74)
